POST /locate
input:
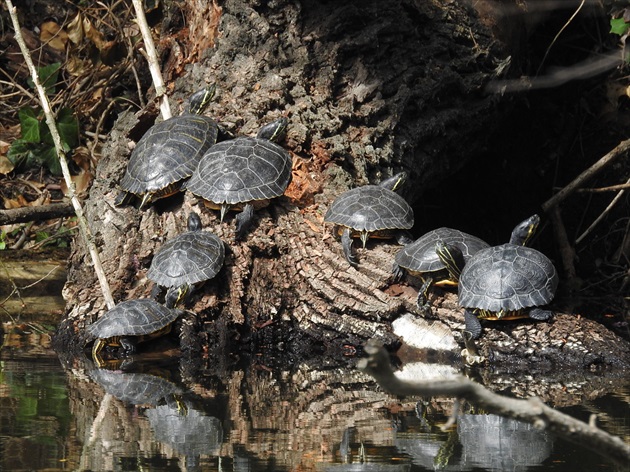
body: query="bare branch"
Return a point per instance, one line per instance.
(530, 410)
(52, 125)
(35, 213)
(621, 149)
(152, 59)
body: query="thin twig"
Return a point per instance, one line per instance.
(602, 215)
(154, 65)
(558, 35)
(619, 150)
(52, 125)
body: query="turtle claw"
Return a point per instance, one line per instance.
(397, 272)
(539, 314)
(346, 244)
(244, 220)
(470, 354)
(473, 325)
(403, 238)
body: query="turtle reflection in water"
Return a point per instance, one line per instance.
(488, 442)
(140, 388)
(169, 152)
(131, 322)
(371, 211)
(192, 435)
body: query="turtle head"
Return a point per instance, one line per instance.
(275, 130)
(395, 182)
(364, 237)
(194, 222)
(452, 257)
(200, 99)
(524, 231)
(224, 209)
(176, 295)
(147, 198)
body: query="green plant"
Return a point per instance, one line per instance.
(36, 146)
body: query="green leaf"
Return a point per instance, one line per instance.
(41, 235)
(30, 125)
(619, 26)
(68, 125)
(47, 77)
(48, 157)
(20, 153)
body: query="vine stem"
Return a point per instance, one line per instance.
(52, 125)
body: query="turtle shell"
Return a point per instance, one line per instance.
(507, 278)
(132, 318)
(420, 256)
(168, 153)
(370, 208)
(190, 258)
(241, 170)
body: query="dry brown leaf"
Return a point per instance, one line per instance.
(77, 66)
(17, 202)
(93, 34)
(81, 157)
(52, 34)
(6, 165)
(75, 29)
(81, 182)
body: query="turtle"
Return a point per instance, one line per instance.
(169, 152)
(421, 259)
(131, 322)
(375, 211)
(503, 282)
(243, 173)
(187, 260)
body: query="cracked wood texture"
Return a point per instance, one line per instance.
(370, 88)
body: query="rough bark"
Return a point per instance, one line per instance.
(370, 88)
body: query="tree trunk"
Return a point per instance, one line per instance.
(370, 88)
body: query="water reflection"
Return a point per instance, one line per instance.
(148, 415)
(487, 442)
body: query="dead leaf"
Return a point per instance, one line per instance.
(75, 29)
(52, 34)
(81, 157)
(77, 66)
(81, 182)
(6, 165)
(93, 34)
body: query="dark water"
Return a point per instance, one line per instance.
(84, 418)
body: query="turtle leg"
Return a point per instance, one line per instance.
(473, 325)
(471, 354)
(403, 237)
(244, 220)
(423, 294)
(397, 272)
(156, 292)
(540, 314)
(122, 198)
(346, 244)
